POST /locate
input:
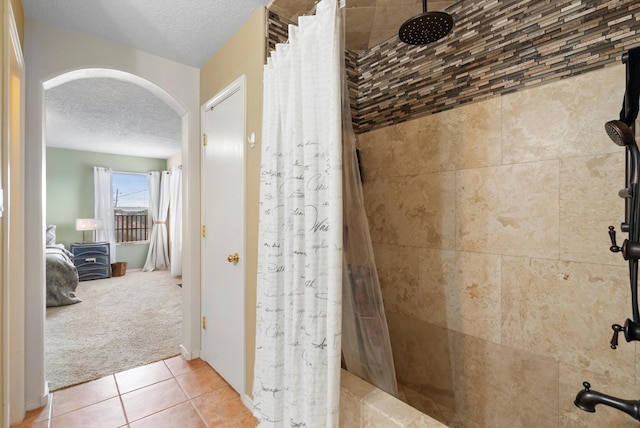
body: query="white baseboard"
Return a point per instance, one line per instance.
(248, 402)
(187, 355)
(36, 403)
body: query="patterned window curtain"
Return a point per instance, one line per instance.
(299, 296)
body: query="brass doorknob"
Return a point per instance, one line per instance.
(233, 258)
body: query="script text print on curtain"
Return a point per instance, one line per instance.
(299, 307)
(159, 192)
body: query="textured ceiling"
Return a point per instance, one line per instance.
(113, 116)
(186, 31)
(110, 115)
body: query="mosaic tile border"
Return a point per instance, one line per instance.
(495, 48)
(277, 30)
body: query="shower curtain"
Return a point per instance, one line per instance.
(299, 295)
(366, 345)
(159, 193)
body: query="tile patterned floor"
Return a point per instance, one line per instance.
(173, 393)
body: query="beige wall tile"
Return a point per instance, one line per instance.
(350, 414)
(422, 403)
(389, 152)
(466, 137)
(361, 3)
(436, 411)
(398, 274)
(421, 210)
(510, 210)
(360, 19)
(391, 17)
(355, 386)
(461, 291)
(473, 295)
(423, 358)
(571, 380)
(564, 118)
(364, 405)
(358, 41)
(454, 420)
(382, 410)
(425, 421)
(352, 392)
(433, 279)
(488, 375)
(375, 203)
(564, 310)
(589, 204)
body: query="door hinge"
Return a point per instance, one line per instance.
(204, 139)
(204, 231)
(204, 322)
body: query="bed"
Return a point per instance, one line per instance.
(61, 274)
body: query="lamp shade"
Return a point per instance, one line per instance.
(88, 224)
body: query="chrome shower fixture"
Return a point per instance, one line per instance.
(426, 27)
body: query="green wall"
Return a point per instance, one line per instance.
(69, 190)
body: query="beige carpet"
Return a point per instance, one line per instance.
(121, 323)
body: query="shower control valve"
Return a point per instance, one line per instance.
(630, 329)
(629, 250)
(612, 234)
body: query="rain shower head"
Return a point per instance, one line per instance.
(620, 133)
(426, 27)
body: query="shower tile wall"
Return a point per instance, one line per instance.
(489, 224)
(489, 218)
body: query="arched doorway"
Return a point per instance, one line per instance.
(177, 88)
(113, 119)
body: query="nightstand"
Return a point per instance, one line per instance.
(92, 260)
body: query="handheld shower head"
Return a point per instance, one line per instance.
(426, 27)
(620, 133)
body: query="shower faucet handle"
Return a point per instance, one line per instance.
(631, 330)
(617, 328)
(614, 246)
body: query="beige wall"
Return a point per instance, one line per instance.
(244, 54)
(489, 225)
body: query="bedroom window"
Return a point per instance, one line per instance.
(131, 207)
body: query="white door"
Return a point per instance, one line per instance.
(223, 264)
